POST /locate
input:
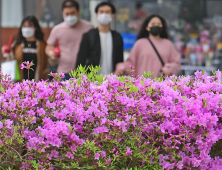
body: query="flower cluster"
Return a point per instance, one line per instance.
(57, 76)
(27, 65)
(117, 124)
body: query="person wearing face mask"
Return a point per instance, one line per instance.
(101, 46)
(152, 52)
(29, 45)
(68, 34)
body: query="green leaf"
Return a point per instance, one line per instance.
(203, 72)
(99, 78)
(122, 79)
(147, 74)
(79, 82)
(133, 89)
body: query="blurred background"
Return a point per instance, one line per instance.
(195, 26)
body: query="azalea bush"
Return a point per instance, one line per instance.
(109, 122)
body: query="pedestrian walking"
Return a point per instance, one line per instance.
(68, 35)
(152, 52)
(102, 46)
(29, 45)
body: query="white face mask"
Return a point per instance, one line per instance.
(71, 20)
(28, 32)
(104, 19)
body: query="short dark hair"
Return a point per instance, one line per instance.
(69, 4)
(104, 4)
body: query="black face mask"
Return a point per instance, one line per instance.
(155, 31)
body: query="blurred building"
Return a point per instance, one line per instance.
(184, 17)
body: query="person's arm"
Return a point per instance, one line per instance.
(124, 68)
(120, 52)
(46, 57)
(84, 52)
(44, 61)
(172, 67)
(49, 51)
(52, 60)
(11, 56)
(51, 43)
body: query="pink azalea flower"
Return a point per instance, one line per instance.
(107, 160)
(113, 150)
(99, 130)
(62, 75)
(180, 165)
(128, 151)
(8, 123)
(69, 155)
(52, 74)
(97, 155)
(23, 66)
(1, 125)
(103, 154)
(132, 67)
(117, 153)
(54, 153)
(41, 111)
(27, 65)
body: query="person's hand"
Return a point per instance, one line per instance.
(164, 73)
(2, 50)
(52, 56)
(6, 51)
(166, 70)
(118, 72)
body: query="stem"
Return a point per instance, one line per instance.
(13, 162)
(2, 168)
(16, 153)
(28, 74)
(129, 164)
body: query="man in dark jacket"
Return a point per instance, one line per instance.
(101, 46)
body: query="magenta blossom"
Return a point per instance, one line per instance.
(69, 155)
(1, 125)
(107, 160)
(128, 151)
(8, 123)
(113, 150)
(57, 76)
(97, 155)
(117, 153)
(99, 130)
(23, 66)
(27, 65)
(54, 153)
(103, 154)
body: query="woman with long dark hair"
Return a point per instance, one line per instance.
(152, 52)
(29, 45)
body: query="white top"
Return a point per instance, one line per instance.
(106, 53)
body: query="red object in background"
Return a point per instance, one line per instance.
(7, 48)
(56, 50)
(141, 14)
